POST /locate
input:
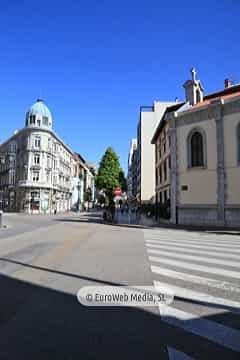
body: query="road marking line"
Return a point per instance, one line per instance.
(165, 247)
(196, 267)
(217, 333)
(194, 236)
(198, 296)
(206, 281)
(197, 242)
(174, 354)
(197, 258)
(197, 237)
(179, 244)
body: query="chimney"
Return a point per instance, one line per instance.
(227, 83)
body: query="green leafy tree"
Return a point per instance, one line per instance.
(122, 181)
(101, 199)
(108, 176)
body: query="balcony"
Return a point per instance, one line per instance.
(34, 184)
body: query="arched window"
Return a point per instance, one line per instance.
(32, 119)
(198, 96)
(197, 148)
(238, 143)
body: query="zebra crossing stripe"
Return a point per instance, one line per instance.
(190, 246)
(233, 306)
(174, 354)
(213, 331)
(196, 258)
(206, 281)
(193, 236)
(196, 238)
(186, 250)
(196, 267)
(190, 242)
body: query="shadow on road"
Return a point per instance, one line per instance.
(41, 323)
(98, 219)
(124, 221)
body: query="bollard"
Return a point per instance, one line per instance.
(1, 218)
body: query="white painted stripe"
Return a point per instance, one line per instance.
(197, 296)
(174, 354)
(190, 246)
(205, 281)
(196, 267)
(194, 252)
(197, 258)
(165, 247)
(197, 237)
(197, 242)
(213, 331)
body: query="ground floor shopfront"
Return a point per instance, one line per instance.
(33, 200)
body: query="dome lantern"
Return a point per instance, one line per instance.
(39, 115)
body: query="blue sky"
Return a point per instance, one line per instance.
(96, 62)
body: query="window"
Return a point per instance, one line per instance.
(37, 142)
(198, 96)
(165, 196)
(45, 120)
(35, 195)
(48, 162)
(169, 162)
(36, 159)
(38, 122)
(238, 142)
(35, 176)
(197, 148)
(160, 174)
(165, 170)
(32, 119)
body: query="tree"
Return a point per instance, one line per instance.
(108, 176)
(101, 199)
(122, 181)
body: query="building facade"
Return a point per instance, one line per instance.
(133, 148)
(82, 181)
(162, 142)
(205, 156)
(148, 120)
(36, 167)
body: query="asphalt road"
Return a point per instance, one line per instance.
(45, 260)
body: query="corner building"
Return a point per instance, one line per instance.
(36, 167)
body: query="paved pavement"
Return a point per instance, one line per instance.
(45, 260)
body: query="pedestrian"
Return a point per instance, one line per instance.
(112, 210)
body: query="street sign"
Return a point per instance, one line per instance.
(117, 192)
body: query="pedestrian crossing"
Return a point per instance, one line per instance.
(203, 271)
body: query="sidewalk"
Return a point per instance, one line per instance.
(131, 218)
